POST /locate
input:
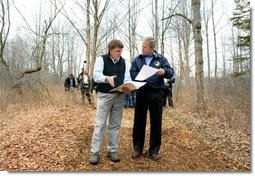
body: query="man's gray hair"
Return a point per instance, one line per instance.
(151, 41)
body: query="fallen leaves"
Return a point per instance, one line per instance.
(57, 138)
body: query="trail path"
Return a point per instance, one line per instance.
(58, 139)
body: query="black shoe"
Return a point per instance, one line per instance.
(136, 154)
(113, 156)
(154, 157)
(94, 159)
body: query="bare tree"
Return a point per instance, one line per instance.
(233, 49)
(41, 43)
(198, 53)
(180, 54)
(196, 24)
(98, 15)
(166, 23)
(62, 50)
(156, 21)
(215, 41)
(133, 11)
(95, 10)
(223, 52)
(88, 35)
(162, 44)
(16, 70)
(186, 41)
(4, 31)
(206, 17)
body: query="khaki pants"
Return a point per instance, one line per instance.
(109, 106)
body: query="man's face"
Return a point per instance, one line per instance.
(146, 49)
(116, 53)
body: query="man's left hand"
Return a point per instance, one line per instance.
(160, 72)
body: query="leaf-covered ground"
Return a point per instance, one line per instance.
(57, 138)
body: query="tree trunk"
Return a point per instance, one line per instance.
(206, 17)
(162, 44)
(4, 32)
(98, 16)
(215, 44)
(88, 38)
(95, 32)
(133, 7)
(223, 57)
(156, 21)
(198, 53)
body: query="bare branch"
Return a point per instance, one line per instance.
(72, 23)
(181, 15)
(30, 28)
(43, 45)
(29, 71)
(169, 19)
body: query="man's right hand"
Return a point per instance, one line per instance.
(110, 80)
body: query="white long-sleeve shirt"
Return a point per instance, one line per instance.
(98, 75)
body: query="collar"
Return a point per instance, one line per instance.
(154, 54)
(114, 61)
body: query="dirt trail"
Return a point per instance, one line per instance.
(58, 139)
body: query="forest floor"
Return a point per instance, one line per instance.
(58, 138)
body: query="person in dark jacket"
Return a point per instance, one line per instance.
(168, 92)
(149, 97)
(70, 82)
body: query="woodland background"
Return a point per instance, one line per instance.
(45, 128)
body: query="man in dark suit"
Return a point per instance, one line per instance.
(149, 97)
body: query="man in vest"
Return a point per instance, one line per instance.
(110, 71)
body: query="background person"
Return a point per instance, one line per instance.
(168, 92)
(70, 82)
(85, 83)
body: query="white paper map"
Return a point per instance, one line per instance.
(145, 73)
(131, 85)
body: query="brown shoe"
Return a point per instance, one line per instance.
(136, 154)
(154, 157)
